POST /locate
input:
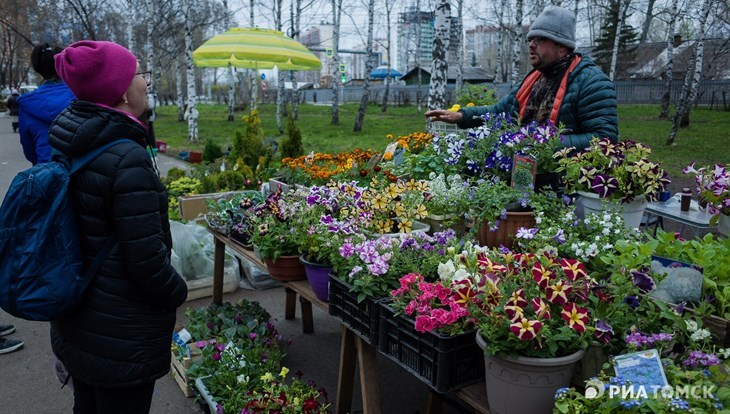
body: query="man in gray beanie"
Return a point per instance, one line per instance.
(564, 87)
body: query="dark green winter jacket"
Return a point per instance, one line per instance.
(588, 109)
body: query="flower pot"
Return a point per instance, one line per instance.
(524, 384)
(548, 182)
(723, 224)
(505, 233)
(418, 227)
(590, 365)
(200, 384)
(318, 276)
(436, 224)
(195, 157)
(631, 212)
(286, 268)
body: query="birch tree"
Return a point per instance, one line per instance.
(253, 74)
(336, 16)
(692, 80)
(388, 45)
(368, 68)
(517, 44)
(280, 73)
(131, 22)
(440, 66)
(669, 71)
(617, 37)
(229, 69)
(648, 18)
(459, 31)
(192, 111)
(500, 35)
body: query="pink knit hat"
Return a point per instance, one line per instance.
(97, 71)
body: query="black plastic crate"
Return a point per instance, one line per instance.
(361, 318)
(445, 363)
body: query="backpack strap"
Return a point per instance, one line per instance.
(99, 259)
(82, 161)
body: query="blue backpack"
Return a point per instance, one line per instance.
(42, 274)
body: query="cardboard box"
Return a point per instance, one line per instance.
(194, 207)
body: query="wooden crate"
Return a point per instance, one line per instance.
(178, 369)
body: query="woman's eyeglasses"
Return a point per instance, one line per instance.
(147, 76)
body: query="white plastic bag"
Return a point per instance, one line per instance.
(195, 250)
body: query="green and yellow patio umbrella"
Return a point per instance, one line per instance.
(254, 48)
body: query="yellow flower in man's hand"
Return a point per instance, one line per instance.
(454, 108)
(470, 104)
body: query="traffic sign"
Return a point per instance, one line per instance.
(343, 67)
(263, 76)
(329, 52)
(344, 78)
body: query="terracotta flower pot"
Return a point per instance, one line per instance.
(504, 234)
(286, 268)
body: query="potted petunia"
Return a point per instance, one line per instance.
(500, 211)
(561, 233)
(713, 188)
(447, 202)
(534, 320)
(489, 151)
(394, 206)
(274, 235)
(617, 173)
(330, 218)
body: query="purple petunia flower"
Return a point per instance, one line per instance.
(604, 331)
(632, 300)
(643, 281)
(604, 185)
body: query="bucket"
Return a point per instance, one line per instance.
(161, 146)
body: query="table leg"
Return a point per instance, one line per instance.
(367, 359)
(435, 403)
(290, 309)
(346, 374)
(307, 320)
(218, 262)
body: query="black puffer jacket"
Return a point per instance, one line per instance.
(120, 336)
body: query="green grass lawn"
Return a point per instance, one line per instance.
(706, 141)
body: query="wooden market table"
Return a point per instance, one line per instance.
(354, 351)
(292, 289)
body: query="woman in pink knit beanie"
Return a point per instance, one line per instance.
(116, 344)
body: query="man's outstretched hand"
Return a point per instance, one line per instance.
(445, 116)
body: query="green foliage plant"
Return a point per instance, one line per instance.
(292, 145)
(249, 146)
(476, 95)
(710, 252)
(230, 180)
(211, 151)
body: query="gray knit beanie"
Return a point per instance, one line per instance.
(557, 24)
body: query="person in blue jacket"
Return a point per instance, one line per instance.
(39, 108)
(564, 87)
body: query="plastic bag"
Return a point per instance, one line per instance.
(195, 250)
